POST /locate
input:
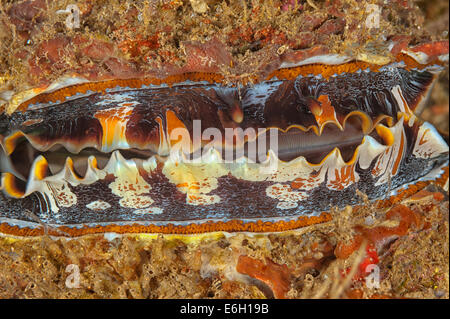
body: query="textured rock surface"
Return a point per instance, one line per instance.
(409, 245)
(126, 39)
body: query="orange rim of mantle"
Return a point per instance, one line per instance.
(229, 226)
(283, 74)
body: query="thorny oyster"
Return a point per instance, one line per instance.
(273, 151)
(331, 46)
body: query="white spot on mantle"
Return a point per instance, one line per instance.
(98, 205)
